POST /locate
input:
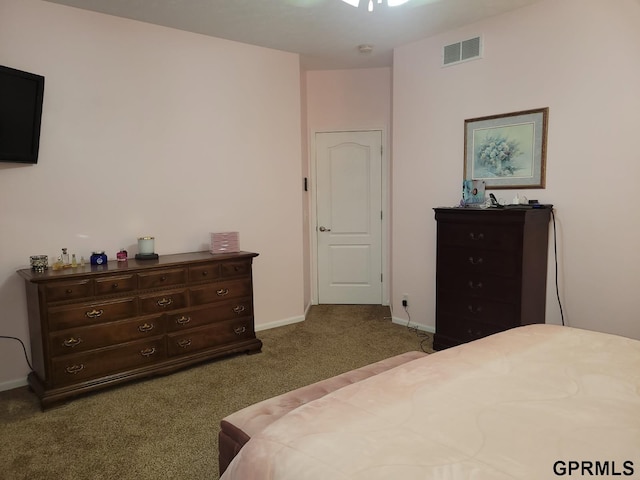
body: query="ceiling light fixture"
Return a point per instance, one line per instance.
(390, 3)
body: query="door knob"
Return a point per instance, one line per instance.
(323, 229)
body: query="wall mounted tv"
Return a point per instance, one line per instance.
(21, 95)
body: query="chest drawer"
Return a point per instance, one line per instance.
(464, 284)
(466, 331)
(220, 291)
(479, 235)
(209, 337)
(115, 284)
(163, 302)
(204, 316)
(91, 313)
(162, 278)
(477, 260)
(478, 309)
(81, 339)
(73, 368)
(74, 290)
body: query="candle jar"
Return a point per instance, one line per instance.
(146, 245)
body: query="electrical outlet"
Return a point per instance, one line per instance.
(405, 299)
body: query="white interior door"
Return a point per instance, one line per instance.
(349, 217)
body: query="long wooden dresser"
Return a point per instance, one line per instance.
(96, 326)
(491, 271)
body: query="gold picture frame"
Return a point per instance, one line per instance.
(507, 150)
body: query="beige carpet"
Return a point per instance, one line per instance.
(167, 427)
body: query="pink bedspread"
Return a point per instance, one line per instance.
(535, 402)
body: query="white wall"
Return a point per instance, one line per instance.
(150, 131)
(340, 100)
(580, 59)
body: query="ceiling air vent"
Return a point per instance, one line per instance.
(461, 51)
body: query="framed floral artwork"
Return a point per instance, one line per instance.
(508, 150)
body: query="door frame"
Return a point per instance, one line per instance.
(386, 210)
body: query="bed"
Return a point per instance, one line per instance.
(534, 402)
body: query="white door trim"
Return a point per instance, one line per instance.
(386, 209)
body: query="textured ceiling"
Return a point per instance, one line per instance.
(326, 33)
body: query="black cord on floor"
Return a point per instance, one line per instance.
(419, 333)
(23, 348)
(555, 250)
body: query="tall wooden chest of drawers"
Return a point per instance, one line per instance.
(491, 271)
(96, 326)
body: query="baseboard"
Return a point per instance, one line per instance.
(10, 385)
(419, 326)
(279, 323)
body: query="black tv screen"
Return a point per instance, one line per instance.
(21, 95)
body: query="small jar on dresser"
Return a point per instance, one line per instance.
(491, 271)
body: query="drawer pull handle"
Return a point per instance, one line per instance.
(475, 261)
(72, 342)
(205, 273)
(73, 369)
(94, 313)
(147, 327)
(147, 352)
(114, 286)
(69, 291)
(184, 343)
(475, 310)
(476, 236)
(165, 302)
(163, 278)
(239, 309)
(474, 286)
(222, 292)
(183, 320)
(240, 330)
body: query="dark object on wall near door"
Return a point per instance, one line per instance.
(21, 97)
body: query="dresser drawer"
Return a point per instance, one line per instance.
(163, 302)
(75, 290)
(204, 273)
(97, 363)
(61, 318)
(477, 260)
(81, 339)
(162, 278)
(115, 284)
(204, 316)
(479, 235)
(236, 268)
(220, 291)
(209, 337)
(478, 309)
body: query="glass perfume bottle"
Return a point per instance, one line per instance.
(65, 257)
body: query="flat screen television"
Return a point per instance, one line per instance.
(21, 96)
